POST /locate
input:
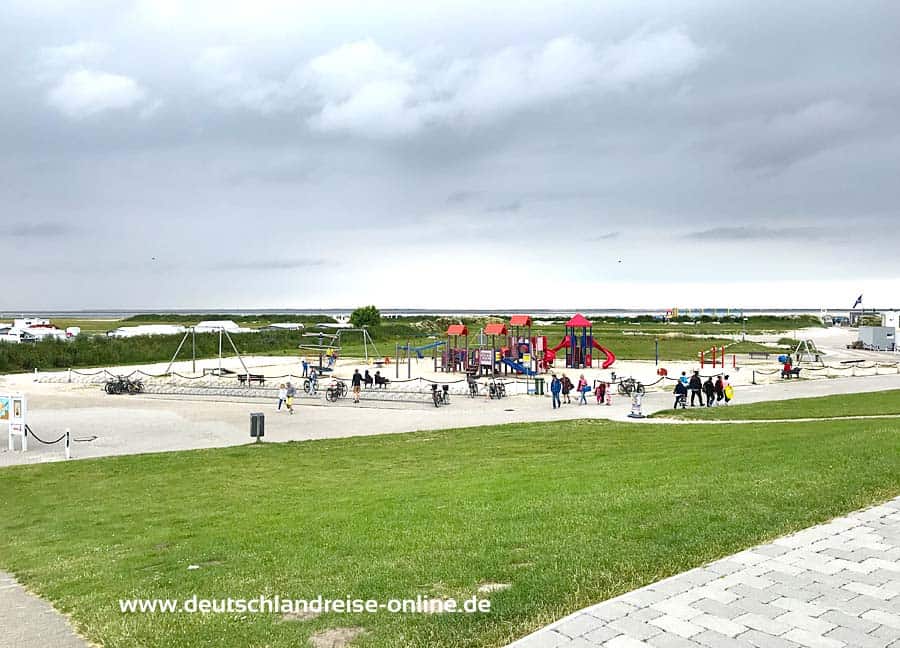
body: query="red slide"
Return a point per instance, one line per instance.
(610, 356)
(550, 354)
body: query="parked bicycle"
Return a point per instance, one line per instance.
(440, 396)
(473, 385)
(496, 389)
(336, 390)
(123, 385)
(310, 386)
(628, 386)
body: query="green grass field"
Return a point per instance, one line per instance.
(569, 514)
(874, 403)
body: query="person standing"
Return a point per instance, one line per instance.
(566, 388)
(709, 390)
(600, 392)
(720, 389)
(728, 390)
(695, 384)
(680, 395)
(304, 364)
(282, 395)
(355, 383)
(289, 394)
(583, 389)
(684, 380)
(555, 388)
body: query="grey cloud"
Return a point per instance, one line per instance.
(39, 230)
(272, 264)
(759, 233)
(513, 206)
(608, 236)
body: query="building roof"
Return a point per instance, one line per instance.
(457, 329)
(520, 320)
(579, 320)
(495, 328)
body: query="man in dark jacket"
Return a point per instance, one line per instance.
(555, 388)
(680, 394)
(709, 390)
(696, 387)
(355, 383)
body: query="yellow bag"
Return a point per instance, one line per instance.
(729, 392)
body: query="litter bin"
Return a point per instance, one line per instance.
(538, 386)
(257, 426)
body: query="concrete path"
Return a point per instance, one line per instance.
(831, 586)
(27, 621)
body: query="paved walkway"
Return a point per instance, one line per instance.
(829, 586)
(27, 621)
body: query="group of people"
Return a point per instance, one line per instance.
(706, 393)
(286, 394)
(561, 389)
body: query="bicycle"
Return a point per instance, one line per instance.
(473, 386)
(123, 385)
(627, 386)
(496, 389)
(310, 386)
(440, 396)
(335, 391)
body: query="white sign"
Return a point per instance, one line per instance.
(12, 412)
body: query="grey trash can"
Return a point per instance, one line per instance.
(538, 386)
(257, 425)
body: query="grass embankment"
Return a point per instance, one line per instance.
(568, 514)
(867, 404)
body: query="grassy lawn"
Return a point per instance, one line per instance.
(568, 513)
(880, 402)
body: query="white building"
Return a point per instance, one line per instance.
(146, 329)
(214, 326)
(283, 326)
(30, 329)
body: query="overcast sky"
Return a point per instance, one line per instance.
(268, 153)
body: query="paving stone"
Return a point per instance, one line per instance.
(543, 639)
(763, 624)
(812, 640)
(674, 625)
(578, 625)
(625, 642)
(855, 638)
(804, 622)
(601, 635)
(635, 628)
(719, 624)
(643, 597)
(852, 622)
(869, 590)
(645, 614)
(884, 618)
(796, 605)
(762, 640)
(746, 591)
(713, 639)
(669, 640)
(709, 606)
(610, 610)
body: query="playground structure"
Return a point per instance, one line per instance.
(579, 344)
(514, 348)
(334, 344)
(715, 357)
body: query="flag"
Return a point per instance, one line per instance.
(857, 302)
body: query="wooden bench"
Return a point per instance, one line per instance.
(759, 355)
(793, 373)
(244, 379)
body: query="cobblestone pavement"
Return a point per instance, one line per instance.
(832, 585)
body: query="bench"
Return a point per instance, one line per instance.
(245, 379)
(215, 371)
(793, 373)
(759, 355)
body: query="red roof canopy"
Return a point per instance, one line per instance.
(520, 320)
(579, 320)
(457, 329)
(497, 328)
